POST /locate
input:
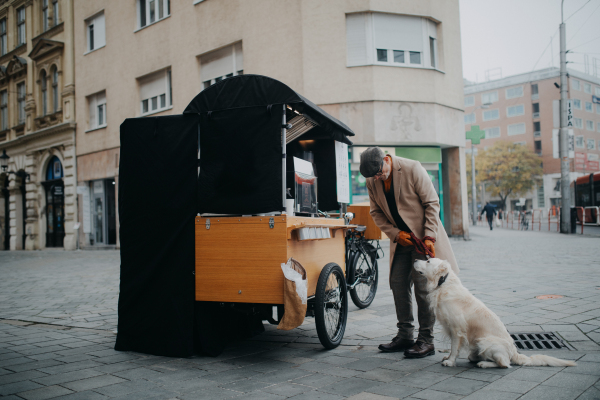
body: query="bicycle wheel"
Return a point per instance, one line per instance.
(331, 306)
(363, 266)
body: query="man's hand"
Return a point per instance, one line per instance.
(429, 245)
(403, 239)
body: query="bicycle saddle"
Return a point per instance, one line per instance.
(361, 228)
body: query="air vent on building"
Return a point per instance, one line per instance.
(539, 341)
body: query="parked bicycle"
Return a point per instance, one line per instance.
(524, 221)
(362, 273)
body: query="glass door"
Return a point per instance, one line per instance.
(98, 211)
(55, 207)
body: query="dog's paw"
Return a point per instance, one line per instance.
(448, 363)
(445, 358)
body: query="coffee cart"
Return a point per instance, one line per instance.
(243, 234)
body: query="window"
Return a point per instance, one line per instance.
(597, 91)
(3, 48)
(537, 145)
(54, 12)
(587, 88)
(516, 129)
(155, 92)
(577, 104)
(589, 125)
(597, 108)
(21, 37)
(537, 129)
(579, 142)
(469, 119)
(520, 144)
(96, 36)
(489, 115)
(221, 64)
(432, 51)
(21, 102)
(515, 110)
(469, 101)
(540, 194)
(45, 15)
(491, 97)
(598, 126)
(578, 123)
(536, 110)
(395, 40)
(44, 93)
(591, 144)
(511, 93)
(54, 89)
(97, 106)
(575, 84)
(589, 107)
(491, 133)
(151, 11)
(4, 109)
(534, 92)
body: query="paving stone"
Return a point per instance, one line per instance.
(573, 381)
(57, 369)
(421, 380)
(469, 374)
(138, 373)
(585, 367)
(17, 387)
(210, 393)
(488, 394)
(369, 396)
(92, 383)
(125, 387)
(548, 392)
(590, 394)
(367, 364)
(281, 376)
(58, 379)
(395, 391)
(47, 392)
(317, 380)
(429, 394)
(316, 395)
(460, 386)
(349, 387)
(287, 389)
(20, 376)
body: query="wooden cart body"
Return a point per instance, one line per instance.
(238, 259)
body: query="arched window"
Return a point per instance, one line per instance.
(54, 170)
(54, 72)
(44, 93)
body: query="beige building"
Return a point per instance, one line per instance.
(37, 124)
(390, 70)
(524, 109)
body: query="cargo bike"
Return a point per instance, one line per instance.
(213, 201)
(241, 242)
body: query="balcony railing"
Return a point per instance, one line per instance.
(535, 96)
(537, 134)
(536, 115)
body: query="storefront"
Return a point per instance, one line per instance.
(429, 157)
(99, 213)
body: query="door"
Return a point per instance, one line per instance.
(98, 213)
(55, 213)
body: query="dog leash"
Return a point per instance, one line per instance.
(420, 245)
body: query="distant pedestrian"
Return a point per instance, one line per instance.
(490, 211)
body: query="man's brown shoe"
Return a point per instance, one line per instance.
(397, 344)
(420, 350)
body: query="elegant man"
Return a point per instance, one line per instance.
(405, 206)
(489, 211)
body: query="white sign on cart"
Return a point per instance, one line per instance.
(341, 168)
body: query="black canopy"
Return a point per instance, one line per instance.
(256, 90)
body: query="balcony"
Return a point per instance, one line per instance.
(537, 134)
(535, 96)
(536, 115)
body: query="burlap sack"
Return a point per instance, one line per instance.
(294, 295)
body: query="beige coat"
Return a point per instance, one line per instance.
(418, 205)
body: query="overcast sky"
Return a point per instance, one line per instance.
(513, 34)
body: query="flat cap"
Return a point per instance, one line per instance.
(371, 161)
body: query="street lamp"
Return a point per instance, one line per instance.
(475, 135)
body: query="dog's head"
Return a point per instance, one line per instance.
(435, 270)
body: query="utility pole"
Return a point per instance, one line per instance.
(565, 189)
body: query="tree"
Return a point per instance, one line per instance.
(508, 169)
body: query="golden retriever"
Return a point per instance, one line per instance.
(470, 324)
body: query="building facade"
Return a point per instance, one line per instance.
(38, 206)
(524, 109)
(390, 70)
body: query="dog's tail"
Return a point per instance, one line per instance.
(541, 360)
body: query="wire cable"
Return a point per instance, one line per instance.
(581, 25)
(576, 11)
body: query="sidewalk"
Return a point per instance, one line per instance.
(69, 301)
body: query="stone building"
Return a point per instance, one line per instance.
(38, 206)
(390, 70)
(524, 109)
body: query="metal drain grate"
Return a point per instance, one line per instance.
(539, 341)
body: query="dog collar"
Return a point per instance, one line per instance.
(443, 279)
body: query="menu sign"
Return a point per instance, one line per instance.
(342, 175)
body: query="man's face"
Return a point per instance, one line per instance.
(385, 171)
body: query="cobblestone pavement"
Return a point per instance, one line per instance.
(58, 313)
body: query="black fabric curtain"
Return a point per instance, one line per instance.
(241, 161)
(157, 205)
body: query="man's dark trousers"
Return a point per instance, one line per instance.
(491, 221)
(402, 277)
